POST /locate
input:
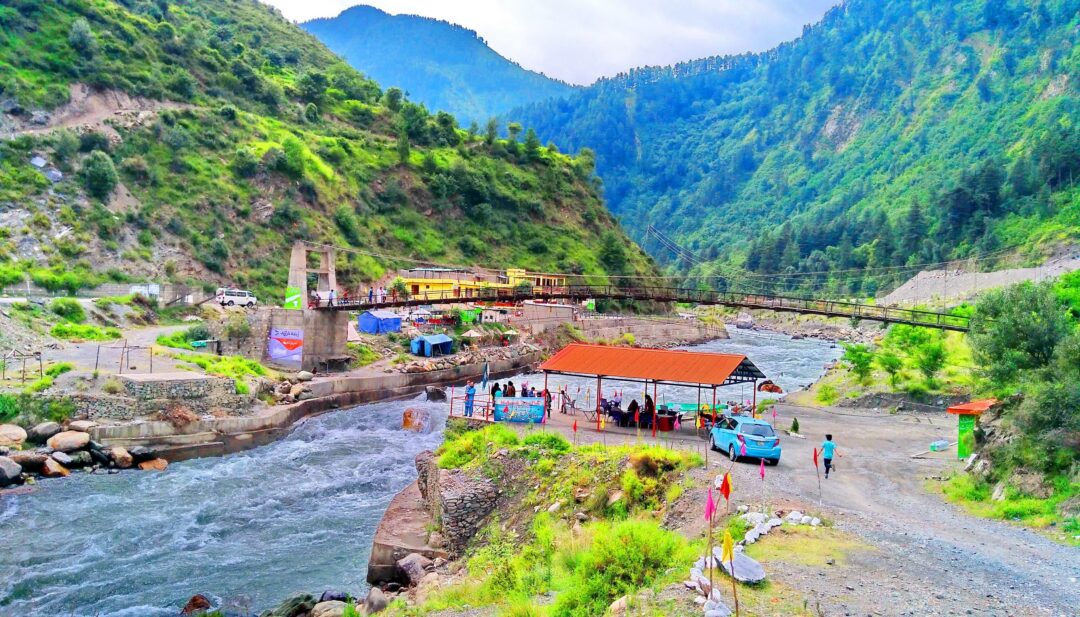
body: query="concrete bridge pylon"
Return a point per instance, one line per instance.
(296, 297)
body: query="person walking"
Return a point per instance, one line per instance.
(470, 398)
(828, 450)
(330, 298)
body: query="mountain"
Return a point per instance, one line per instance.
(195, 141)
(442, 65)
(888, 134)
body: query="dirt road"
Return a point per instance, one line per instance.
(929, 557)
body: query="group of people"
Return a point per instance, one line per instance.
(377, 295)
(508, 391)
(635, 414)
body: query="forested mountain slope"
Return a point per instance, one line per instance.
(207, 136)
(445, 66)
(890, 133)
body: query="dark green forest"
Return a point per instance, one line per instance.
(442, 65)
(890, 134)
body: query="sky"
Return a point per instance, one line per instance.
(581, 40)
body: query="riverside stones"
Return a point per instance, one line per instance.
(375, 601)
(42, 432)
(197, 605)
(435, 393)
(296, 606)
(11, 435)
(746, 569)
(331, 608)
(414, 566)
(52, 469)
(82, 426)
(68, 441)
(155, 464)
(10, 471)
(417, 420)
(63, 458)
(80, 458)
(29, 461)
(121, 457)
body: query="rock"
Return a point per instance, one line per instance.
(10, 471)
(141, 453)
(198, 604)
(1032, 484)
(40, 117)
(753, 518)
(743, 509)
(330, 608)
(794, 517)
(375, 601)
(42, 432)
(435, 393)
(11, 106)
(99, 457)
(52, 469)
(553, 508)
(619, 607)
(715, 608)
(29, 461)
(814, 522)
(154, 464)
(83, 426)
(330, 596)
(299, 605)
(297, 390)
(417, 420)
(774, 522)
(54, 175)
(805, 520)
(306, 395)
(305, 376)
(11, 435)
(68, 441)
(614, 498)
(79, 458)
(414, 566)
(999, 492)
(121, 457)
(746, 569)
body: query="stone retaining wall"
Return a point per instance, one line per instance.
(199, 386)
(455, 500)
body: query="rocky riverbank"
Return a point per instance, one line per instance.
(49, 450)
(834, 330)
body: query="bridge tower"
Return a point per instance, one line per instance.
(297, 294)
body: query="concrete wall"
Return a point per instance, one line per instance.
(325, 334)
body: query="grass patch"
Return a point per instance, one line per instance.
(238, 368)
(183, 339)
(84, 332)
(27, 410)
(804, 545)
(976, 497)
(362, 354)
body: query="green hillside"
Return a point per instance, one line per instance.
(890, 133)
(445, 66)
(231, 133)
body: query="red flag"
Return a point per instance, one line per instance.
(763, 469)
(725, 487)
(637, 416)
(710, 506)
(575, 426)
(815, 457)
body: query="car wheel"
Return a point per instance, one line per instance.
(773, 461)
(712, 444)
(229, 303)
(731, 453)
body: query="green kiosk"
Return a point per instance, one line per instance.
(968, 416)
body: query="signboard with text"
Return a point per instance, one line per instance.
(294, 299)
(286, 346)
(526, 410)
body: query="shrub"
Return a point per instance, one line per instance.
(473, 447)
(860, 359)
(99, 175)
(112, 385)
(88, 142)
(59, 369)
(548, 443)
(27, 410)
(69, 309)
(795, 425)
(82, 39)
(930, 359)
(237, 327)
(84, 332)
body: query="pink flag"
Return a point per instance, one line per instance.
(742, 446)
(762, 470)
(710, 506)
(773, 413)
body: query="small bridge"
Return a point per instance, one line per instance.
(577, 293)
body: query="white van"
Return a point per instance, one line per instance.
(237, 297)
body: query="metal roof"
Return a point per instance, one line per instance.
(383, 314)
(973, 408)
(659, 365)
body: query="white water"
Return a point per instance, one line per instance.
(297, 515)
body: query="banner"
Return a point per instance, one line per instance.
(524, 410)
(294, 299)
(286, 346)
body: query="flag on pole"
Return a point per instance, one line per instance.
(742, 446)
(725, 487)
(815, 457)
(710, 506)
(575, 426)
(603, 422)
(484, 379)
(762, 471)
(728, 551)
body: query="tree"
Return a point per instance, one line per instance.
(514, 129)
(860, 358)
(914, 232)
(403, 146)
(930, 359)
(394, 97)
(612, 254)
(312, 86)
(474, 129)
(1017, 328)
(891, 364)
(532, 145)
(82, 38)
(99, 175)
(492, 132)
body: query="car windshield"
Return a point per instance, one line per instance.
(758, 430)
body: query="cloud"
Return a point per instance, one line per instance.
(581, 40)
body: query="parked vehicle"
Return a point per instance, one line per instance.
(236, 297)
(732, 432)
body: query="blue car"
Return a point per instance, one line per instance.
(730, 433)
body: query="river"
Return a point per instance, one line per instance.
(253, 527)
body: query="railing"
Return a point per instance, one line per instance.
(827, 308)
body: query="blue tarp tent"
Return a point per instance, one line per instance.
(379, 322)
(432, 345)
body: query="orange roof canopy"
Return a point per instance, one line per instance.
(973, 408)
(659, 365)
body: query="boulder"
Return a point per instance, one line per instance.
(330, 596)
(417, 420)
(29, 461)
(296, 606)
(305, 376)
(99, 457)
(296, 390)
(10, 471)
(121, 457)
(619, 607)
(332, 608)
(52, 469)
(141, 453)
(68, 441)
(754, 518)
(11, 435)
(197, 605)
(42, 432)
(80, 458)
(414, 566)
(794, 517)
(435, 393)
(83, 426)
(375, 601)
(63, 458)
(154, 464)
(746, 569)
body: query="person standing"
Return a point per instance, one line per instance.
(496, 391)
(330, 298)
(828, 450)
(370, 295)
(470, 398)
(509, 391)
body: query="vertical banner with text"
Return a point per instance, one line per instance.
(286, 346)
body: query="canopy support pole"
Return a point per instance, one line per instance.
(599, 382)
(753, 411)
(654, 409)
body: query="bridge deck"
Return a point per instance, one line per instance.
(825, 308)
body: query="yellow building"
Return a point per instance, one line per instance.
(442, 283)
(517, 276)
